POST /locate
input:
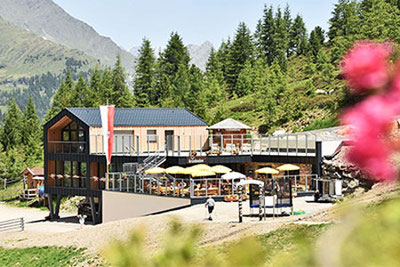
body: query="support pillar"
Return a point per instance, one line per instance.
(260, 209)
(50, 199)
(57, 211)
(93, 209)
(240, 204)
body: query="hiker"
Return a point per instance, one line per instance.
(81, 219)
(210, 204)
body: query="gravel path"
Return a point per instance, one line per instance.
(224, 226)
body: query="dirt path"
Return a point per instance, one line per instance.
(223, 228)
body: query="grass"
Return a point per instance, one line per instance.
(42, 256)
(27, 204)
(284, 246)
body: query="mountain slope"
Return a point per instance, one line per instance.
(46, 19)
(30, 65)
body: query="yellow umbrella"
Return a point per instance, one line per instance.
(267, 170)
(155, 170)
(202, 173)
(173, 169)
(288, 167)
(187, 170)
(201, 167)
(220, 169)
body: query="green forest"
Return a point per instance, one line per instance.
(281, 76)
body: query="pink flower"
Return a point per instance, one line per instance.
(365, 66)
(370, 121)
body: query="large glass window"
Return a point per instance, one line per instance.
(75, 137)
(70, 174)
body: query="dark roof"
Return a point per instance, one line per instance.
(140, 117)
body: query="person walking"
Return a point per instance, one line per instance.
(210, 204)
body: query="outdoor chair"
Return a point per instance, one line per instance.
(246, 147)
(230, 148)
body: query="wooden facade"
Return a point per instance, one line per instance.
(77, 167)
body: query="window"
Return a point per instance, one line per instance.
(74, 137)
(152, 135)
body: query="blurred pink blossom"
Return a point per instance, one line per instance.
(371, 121)
(365, 66)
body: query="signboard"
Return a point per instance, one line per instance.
(194, 159)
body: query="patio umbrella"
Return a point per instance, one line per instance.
(187, 170)
(201, 167)
(220, 169)
(202, 173)
(267, 170)
(233, 175)
(288, 167)
(155, 170)
(173, 169)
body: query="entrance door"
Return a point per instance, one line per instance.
(169, 140)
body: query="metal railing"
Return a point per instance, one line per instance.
(12, 225)
(67, 147)
(189, 187)
(202, 145)
(59, 180)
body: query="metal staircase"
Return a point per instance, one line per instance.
(151, 161)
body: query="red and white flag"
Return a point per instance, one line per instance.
(107, 122)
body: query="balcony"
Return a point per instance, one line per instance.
(213, 145)
(66, 147)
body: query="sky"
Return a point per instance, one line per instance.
(126, 22)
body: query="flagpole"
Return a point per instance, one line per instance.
(107, 176)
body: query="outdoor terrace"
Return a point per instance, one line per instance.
(187, 145)
(191, 187)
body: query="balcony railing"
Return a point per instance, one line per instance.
(59, 180)
(193, 188)
(67, 147)
(212, 145)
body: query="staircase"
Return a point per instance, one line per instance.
(151, 161)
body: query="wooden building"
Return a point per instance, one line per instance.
(75, 163)
(229, 133)
(33, 178)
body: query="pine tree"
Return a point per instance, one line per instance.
(287, 17)
(31, 134)
(264, 35)
(145, 76)
(345, 21)
(245, 82)
(95, 90)
(11, 130)
(81, 92)
(280, 41)
(298, 37)
(121, 97)
(174, 57)
(316, 41)
(223, 57)
(107, 94)
(62, 98)
(380, 21)
(242, 50)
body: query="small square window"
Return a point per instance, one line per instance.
(152, 135)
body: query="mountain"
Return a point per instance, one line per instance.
(30, 65)
(199, 54)
(48, 20)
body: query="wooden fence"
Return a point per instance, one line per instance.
(10, 194)
(12, 225)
